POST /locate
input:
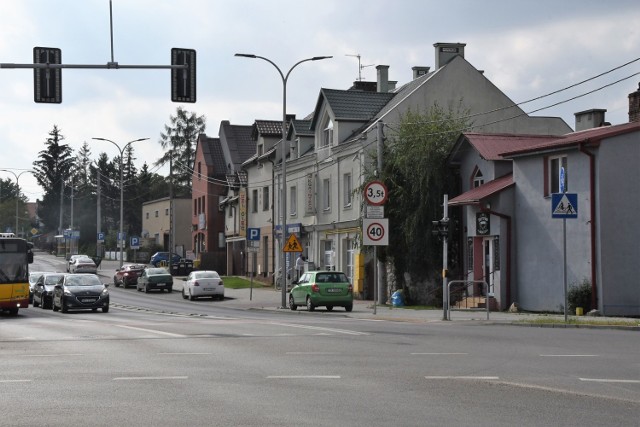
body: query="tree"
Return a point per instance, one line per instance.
(417, 176)
(180, 138)
(51, 171)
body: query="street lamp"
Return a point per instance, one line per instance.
(18, 191)
(120, 235)
(284, 150)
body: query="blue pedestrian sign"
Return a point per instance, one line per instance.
(253, 234)
(564, 205)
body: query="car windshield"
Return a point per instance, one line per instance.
(154, 271)
(84, 260)
(52, 280)
(207, 275)
(33, 277)
(83, 280)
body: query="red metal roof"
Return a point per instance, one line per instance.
(490, 146)
(474, 196)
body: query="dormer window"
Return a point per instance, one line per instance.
(260, 149)
(327, 133)
(478, 179)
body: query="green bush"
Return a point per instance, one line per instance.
(579, 295)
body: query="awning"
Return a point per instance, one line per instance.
(476, 195)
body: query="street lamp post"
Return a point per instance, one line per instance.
(120, 234)
(18, 191)
(284, 150)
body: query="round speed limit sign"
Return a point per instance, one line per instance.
(375, 231)
(375, 193)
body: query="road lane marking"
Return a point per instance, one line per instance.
(150, 378)
(304, 377)
(460, 377)
(184, 354)
(609, 380)
(568, 355)
(15, 381)
(318, 328)
(439, 354)
(312, 353)
(53, 355)
(169, 334)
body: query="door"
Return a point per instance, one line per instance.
(489, 262)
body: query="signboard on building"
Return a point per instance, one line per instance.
(242, 212)
(309, 195)
(483, 224)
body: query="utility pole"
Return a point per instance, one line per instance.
(170, 212)
(379, 266)
(98, 216)
(61, 201)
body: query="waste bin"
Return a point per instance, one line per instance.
(188, 267)
(175, 270)
(397, 299)
(97, 260)
(182, 267)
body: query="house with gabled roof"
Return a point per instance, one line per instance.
(345, 128)
(215, 160)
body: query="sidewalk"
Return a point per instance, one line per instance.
(266, 298)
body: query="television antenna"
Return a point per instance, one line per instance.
(360, 66)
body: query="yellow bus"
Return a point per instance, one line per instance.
(15, 257)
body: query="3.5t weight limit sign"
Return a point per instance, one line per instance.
(375, 232)
(375, 193)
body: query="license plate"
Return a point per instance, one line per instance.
(87, 299)
(160, 284)
(208, 289)
(334, 290)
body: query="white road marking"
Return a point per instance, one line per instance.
(15, 381)
(439, 354)
(303, 377)
(312, 353)
(169, 334)
(318, 328)
(53, 355)
(148, 378)
(568, 355)
(462, 377)
(183, 354)
(609, 380)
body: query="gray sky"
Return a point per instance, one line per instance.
(527, 49)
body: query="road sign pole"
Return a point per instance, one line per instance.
(564, 266)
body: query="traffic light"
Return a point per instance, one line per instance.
(440, 227)
(47, 82)
(183, 80)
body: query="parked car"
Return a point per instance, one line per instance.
(33, 278)
(322, 288)
(43, 290)
(80, 292)
(204, 283)
(71, 258)
(83, 265)
(155, 278)
(128, 275)
(158, 257)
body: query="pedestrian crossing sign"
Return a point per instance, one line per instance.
(292, 245)
(564, 205)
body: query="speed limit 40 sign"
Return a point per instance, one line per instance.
(375, 231)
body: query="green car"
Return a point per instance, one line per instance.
(322, 288)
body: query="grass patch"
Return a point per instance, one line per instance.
(235, 282)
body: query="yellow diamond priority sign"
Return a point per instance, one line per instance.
(292, 245)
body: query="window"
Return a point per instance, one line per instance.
(478, 179)
(327, 134)
(254, 201)
(265, 199)
(147, 215)
(469, 253)
(555, 166)
(347, 189)
(166, 212)
(157, 214)
(293, 200)
(195, 207)
(199, 171)
(326, 194)
(260, 150)
(328, 255)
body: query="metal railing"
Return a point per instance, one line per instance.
(468, 283)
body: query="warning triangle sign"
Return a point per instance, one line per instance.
(292, 245)
(564, 207)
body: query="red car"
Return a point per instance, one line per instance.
(128, 275)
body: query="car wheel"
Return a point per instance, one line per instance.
(329, 308)
(146, 289)
(310, 306)
(348, 307)
(170, 290)
(292, 305)
(115, 282)
(35, 303)
(105, 309)
(94, 309)
(191, 297)
(63, 308)
(54, 307)
(184, 296)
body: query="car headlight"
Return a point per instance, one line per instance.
(105, 292)
(67, 292)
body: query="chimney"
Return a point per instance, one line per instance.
(419, 71)
(634, 106)
(589, 119)
(445, 52)
(383, 78)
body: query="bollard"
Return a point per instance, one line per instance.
(579, 311)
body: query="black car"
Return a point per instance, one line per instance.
(43, 289)
(80, 292)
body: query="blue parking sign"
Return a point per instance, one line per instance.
(135, 243)
(253, 234)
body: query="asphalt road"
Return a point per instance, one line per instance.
(156, 359)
